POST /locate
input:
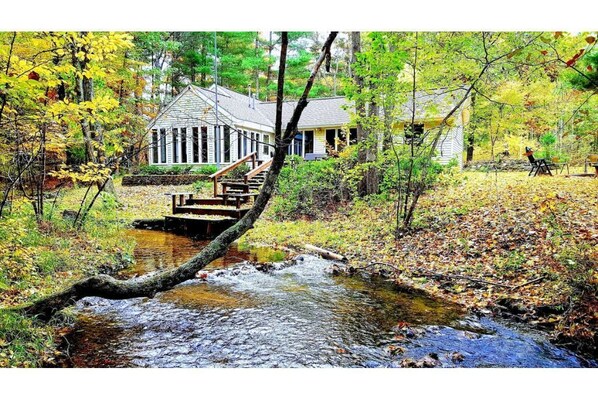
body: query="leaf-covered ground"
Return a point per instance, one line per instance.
(507, 229)
(475, 241)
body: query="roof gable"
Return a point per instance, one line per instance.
(320, 112)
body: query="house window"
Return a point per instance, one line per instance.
(239, 143)
(266, 146)
(298, 144)
(163, 145)
(414, 133)
(175, 134)
(184, 145)
(226, 143)
(341, 141)
(331, 138)
(154, 145)
(245, 142)
(252, 142)
(257, 144)
(352, 136)
(309, 141)
(195, 132)
(204, 144)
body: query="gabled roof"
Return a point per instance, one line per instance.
(330, 111)
(320, 112)
(236, 104)
(431, 104)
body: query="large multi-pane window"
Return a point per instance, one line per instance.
(217, 143)
(204, 144)
(226, 144)
(331, 138)
(414, 133)
(353, 135)
(155, 145)
(239, 145)
(175, 135)
(336, 139)
(245, 142)
(195, 139)
(163, 145)
(183, 145)
(309, 141)
(257, 145)
(266, 144)
(252, 142)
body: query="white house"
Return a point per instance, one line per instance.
(184, 132)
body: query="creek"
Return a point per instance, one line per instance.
(299, 315)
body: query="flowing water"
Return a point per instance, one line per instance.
(295, 316)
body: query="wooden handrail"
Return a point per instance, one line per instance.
(232, 166)
(257, 170)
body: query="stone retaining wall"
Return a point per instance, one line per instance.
(505, 165)
(161, 180)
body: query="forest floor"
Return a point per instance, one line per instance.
(503, 243)
(38, 258)
(499, 243)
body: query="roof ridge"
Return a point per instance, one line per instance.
(309, 99)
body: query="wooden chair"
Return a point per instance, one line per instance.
(538, 165)
(558, 164)
(591, 160)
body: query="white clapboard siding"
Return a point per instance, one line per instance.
(458, 145)
(188, 110)
(445, 147)
(320, 141)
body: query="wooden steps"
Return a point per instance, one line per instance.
(208, 217)
(211, 201)
(229, 211)
(197, 225)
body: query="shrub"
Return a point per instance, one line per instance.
(391, 181)
(308, 187)
(206, 170)
(238, 172)
(202, 185)
(165, 170)
(151, 170)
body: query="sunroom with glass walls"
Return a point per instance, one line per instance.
(196, 145)
(182, 145)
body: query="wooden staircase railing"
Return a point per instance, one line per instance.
(232, 166)
(256, 171)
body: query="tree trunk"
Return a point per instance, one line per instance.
(372, 139)
(147, 286)
(470, 141)
(362, 137)
(471, 135)
(92, 134)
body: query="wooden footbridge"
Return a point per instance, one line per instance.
(232, 198)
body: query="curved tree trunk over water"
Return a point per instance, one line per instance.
(147, 286)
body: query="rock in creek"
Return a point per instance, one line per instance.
(429, 361)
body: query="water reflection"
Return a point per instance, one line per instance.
(298, 316)
(156, 250)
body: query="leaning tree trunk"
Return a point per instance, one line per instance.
(147, 286)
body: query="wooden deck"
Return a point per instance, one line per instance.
(208, 217)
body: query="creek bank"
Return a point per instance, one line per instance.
(296, 314)
(543, 317)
